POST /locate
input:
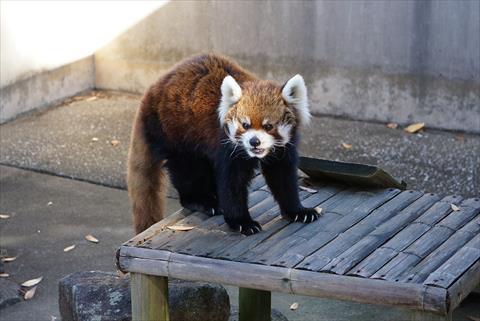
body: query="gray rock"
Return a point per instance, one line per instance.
(9, 293)
(98, 296)
(276, 315)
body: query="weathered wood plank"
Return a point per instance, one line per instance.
(436, 258)
(271, 223)
(254, 305)
(268, 278)
(266, 245)
(348, 259)
(459, 290)
(298, 253)
(456, 265)
(282, 247)
(441, 209)
(359, 233)
(149, 297)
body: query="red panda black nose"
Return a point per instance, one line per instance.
(254, 141)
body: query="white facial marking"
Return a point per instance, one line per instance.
(295, 93)
(266, 142)
(284, 132)
(231, 94)
(232, 127)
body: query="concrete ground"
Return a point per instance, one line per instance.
(60, 142)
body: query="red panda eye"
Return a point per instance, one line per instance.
(246, 125)
(268, 127)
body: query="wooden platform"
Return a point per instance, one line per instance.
(385, 246)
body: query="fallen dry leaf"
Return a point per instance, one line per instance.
(460, 137)
(49, 203)
(180, 228)
(32, 282)
(69, 248)
(91, 238)
(392, 125)
(92, 98)
(9, 259)
(473, 318)
(310, 190)
(30, 293)
(318, 209)
(4, 275)
(114, 142)
(454, 207)
(4, 216)
(413, 128)
(294, 306)
(94, 139)
(346, 146)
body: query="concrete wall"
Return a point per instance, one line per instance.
(46, 88)
(397, 61)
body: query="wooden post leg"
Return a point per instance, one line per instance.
(254, 305)
(149, 297)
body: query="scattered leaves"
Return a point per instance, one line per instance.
(294, 306)
(392, 125)
(32, 282)
(4, 275)
(413, 128)
(180, 228)
(454, 207)
(94, 139)
(310, 190)
(4, 216)
(9, 259)
(114, 142)
(30, 293)
(69, 248)
(91, 238)
(347, 146)
(319, 210)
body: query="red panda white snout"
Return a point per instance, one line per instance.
(262, 115)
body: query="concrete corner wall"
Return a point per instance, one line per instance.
(45, 88)
(397, 61)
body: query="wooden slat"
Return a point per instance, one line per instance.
(317, 199)
(298, 253)
(360, 233)
(272, 223)
(345, 261)
(456, 265)
(427, 243)
(278, 250)
(423, 269)
(464, 285)
(286, 280)
(380, 256)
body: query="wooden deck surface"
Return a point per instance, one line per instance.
(385, 246)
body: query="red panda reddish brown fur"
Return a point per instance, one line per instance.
(179, 122)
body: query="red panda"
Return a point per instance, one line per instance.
(208, 124)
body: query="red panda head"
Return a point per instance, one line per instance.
(261, 115)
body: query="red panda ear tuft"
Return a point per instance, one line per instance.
(231, 94)
(295, 94)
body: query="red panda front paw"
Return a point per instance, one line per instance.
(304, 215)
(246, 227)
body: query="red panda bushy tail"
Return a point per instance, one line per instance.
(147, 179)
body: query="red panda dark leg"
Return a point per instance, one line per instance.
(194, 179)
(233, 178)
(281, 177)
(146, 179)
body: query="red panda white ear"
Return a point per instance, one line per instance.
(295, 94)
(231, 94)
